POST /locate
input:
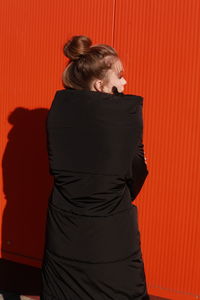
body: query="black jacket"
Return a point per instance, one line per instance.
(98, 133)
(92, 245)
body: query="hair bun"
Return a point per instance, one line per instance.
(77, 46)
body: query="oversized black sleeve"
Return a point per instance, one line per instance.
(138, 170)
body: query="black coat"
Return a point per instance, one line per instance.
(96, 156)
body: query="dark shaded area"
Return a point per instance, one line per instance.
(27, 184)
(18, 279)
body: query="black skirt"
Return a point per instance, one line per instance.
(84, 257)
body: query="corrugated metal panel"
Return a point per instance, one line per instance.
(33, 34)
(159, 42)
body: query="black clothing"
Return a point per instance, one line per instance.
(92, 249)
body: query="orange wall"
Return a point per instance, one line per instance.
(159, 43)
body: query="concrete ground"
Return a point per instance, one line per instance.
(13, 296)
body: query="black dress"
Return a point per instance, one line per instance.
(92, 249)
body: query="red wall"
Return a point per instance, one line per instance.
(159, 43)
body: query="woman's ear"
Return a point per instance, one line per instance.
(98, 85)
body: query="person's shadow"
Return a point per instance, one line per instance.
(27, 185)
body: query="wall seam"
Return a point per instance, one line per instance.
(113, 24)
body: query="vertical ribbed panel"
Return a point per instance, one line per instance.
(159, 43)
(33, 34)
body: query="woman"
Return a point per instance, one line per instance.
(96, 156)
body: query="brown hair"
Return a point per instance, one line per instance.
(86, 62)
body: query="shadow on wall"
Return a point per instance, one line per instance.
(27, 185)
(18, 279)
